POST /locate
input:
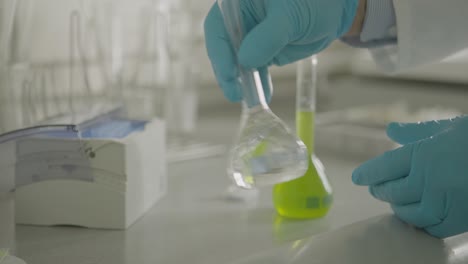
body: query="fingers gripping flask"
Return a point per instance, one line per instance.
(266, 151)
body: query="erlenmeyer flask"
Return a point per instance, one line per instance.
(266, 152)
(309, 196)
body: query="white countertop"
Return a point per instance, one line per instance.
(197, 222)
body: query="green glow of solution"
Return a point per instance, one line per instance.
(309, 196)
(3, 253)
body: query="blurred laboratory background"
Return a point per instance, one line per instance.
(149, 56)
(111, 118)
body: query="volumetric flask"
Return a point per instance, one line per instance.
(266, 152)
(311, 195)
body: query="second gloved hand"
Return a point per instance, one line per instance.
(426, 180)
(279, 32)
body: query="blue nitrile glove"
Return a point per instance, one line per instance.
(280, 32)
(426, 180)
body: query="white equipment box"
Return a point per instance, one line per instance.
(89, 182)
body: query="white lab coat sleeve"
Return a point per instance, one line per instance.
(427, 31)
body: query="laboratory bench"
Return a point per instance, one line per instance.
(204, 220)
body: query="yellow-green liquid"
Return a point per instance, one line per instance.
(309, 196)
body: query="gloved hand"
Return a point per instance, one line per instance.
(426, 180)
(279, 32)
